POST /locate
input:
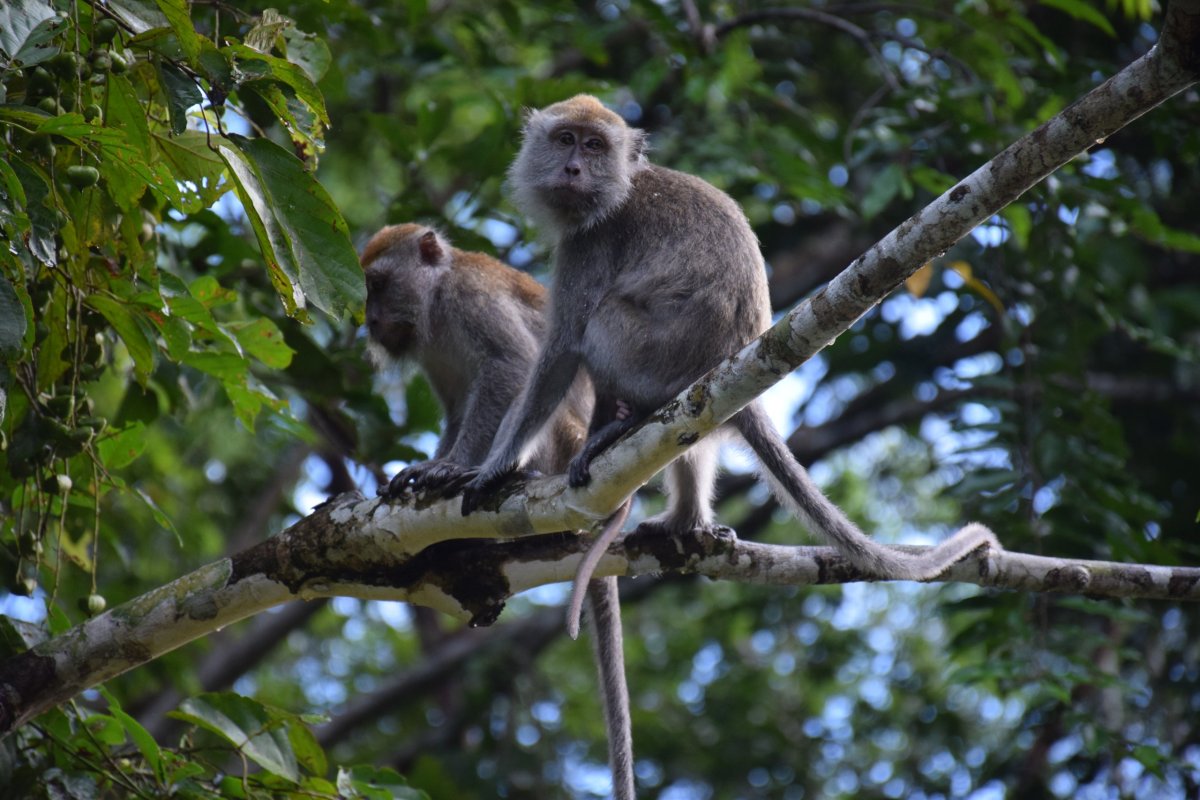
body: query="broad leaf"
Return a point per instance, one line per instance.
(258, 731)
(25, 26)
(303, 237)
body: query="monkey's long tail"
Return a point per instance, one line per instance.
(795, 489)
(608, 645)
(583, 573)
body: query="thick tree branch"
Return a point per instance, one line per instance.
(337, 550)
(370, 549)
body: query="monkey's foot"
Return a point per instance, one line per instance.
(486, 484)
(438, 475)
(702, 540)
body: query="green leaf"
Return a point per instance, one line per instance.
(1083, 10)
(1020, 223)
(137, 734)
(139, 15)
(271, 67)
(50, 362)
(307, 51)
(371, 782)
(125, 323)
(303, 237)
(263, 340)
(210, 293)
(182, 93)
(26, 25)
(227, 367)
(12, 321)
(246, 402)
(196, 166)
(258, 731)
(121, 448)
(124, 111)
(177, 14)
(884, 189)
(423, 411)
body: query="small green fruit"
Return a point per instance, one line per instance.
(104, 32)
(93, 113)
(118, 63)
(101, 61)
(96, 604)
(82, 177)
(40, 78)
(49, 105)
(63, 65)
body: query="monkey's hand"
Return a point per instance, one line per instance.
(579, 473)
(488, 482)
(445, 477)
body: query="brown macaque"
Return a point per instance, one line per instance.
(474, 326)
(657, 278)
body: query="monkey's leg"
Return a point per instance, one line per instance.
(689, 485)
(609, 649)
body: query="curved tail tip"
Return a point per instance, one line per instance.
(572, 624)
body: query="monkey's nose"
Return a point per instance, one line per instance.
(572, 168)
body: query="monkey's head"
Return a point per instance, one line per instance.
(576, 164)
(403, 265)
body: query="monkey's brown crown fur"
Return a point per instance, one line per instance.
(581, 109)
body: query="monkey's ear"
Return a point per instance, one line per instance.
(431, 248)
(638, 144)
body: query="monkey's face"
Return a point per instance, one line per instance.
(572, 170)
(393, 306)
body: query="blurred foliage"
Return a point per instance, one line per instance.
(168, 394)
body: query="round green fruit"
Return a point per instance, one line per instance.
(96, 604)
(93, 113)
(82, 177)
(104, 32)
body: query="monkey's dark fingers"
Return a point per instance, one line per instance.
(397, 486)
(483, 487)
(452, 484)
(437, 475)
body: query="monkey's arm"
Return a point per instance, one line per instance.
(552, 377)
(492, 392)
(626, 418)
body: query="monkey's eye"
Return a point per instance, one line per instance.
(594, 144)
(566, 138)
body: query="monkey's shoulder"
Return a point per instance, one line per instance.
(662, 190)
(493, 279)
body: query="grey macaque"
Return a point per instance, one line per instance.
(657, 278)
(474, 326)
